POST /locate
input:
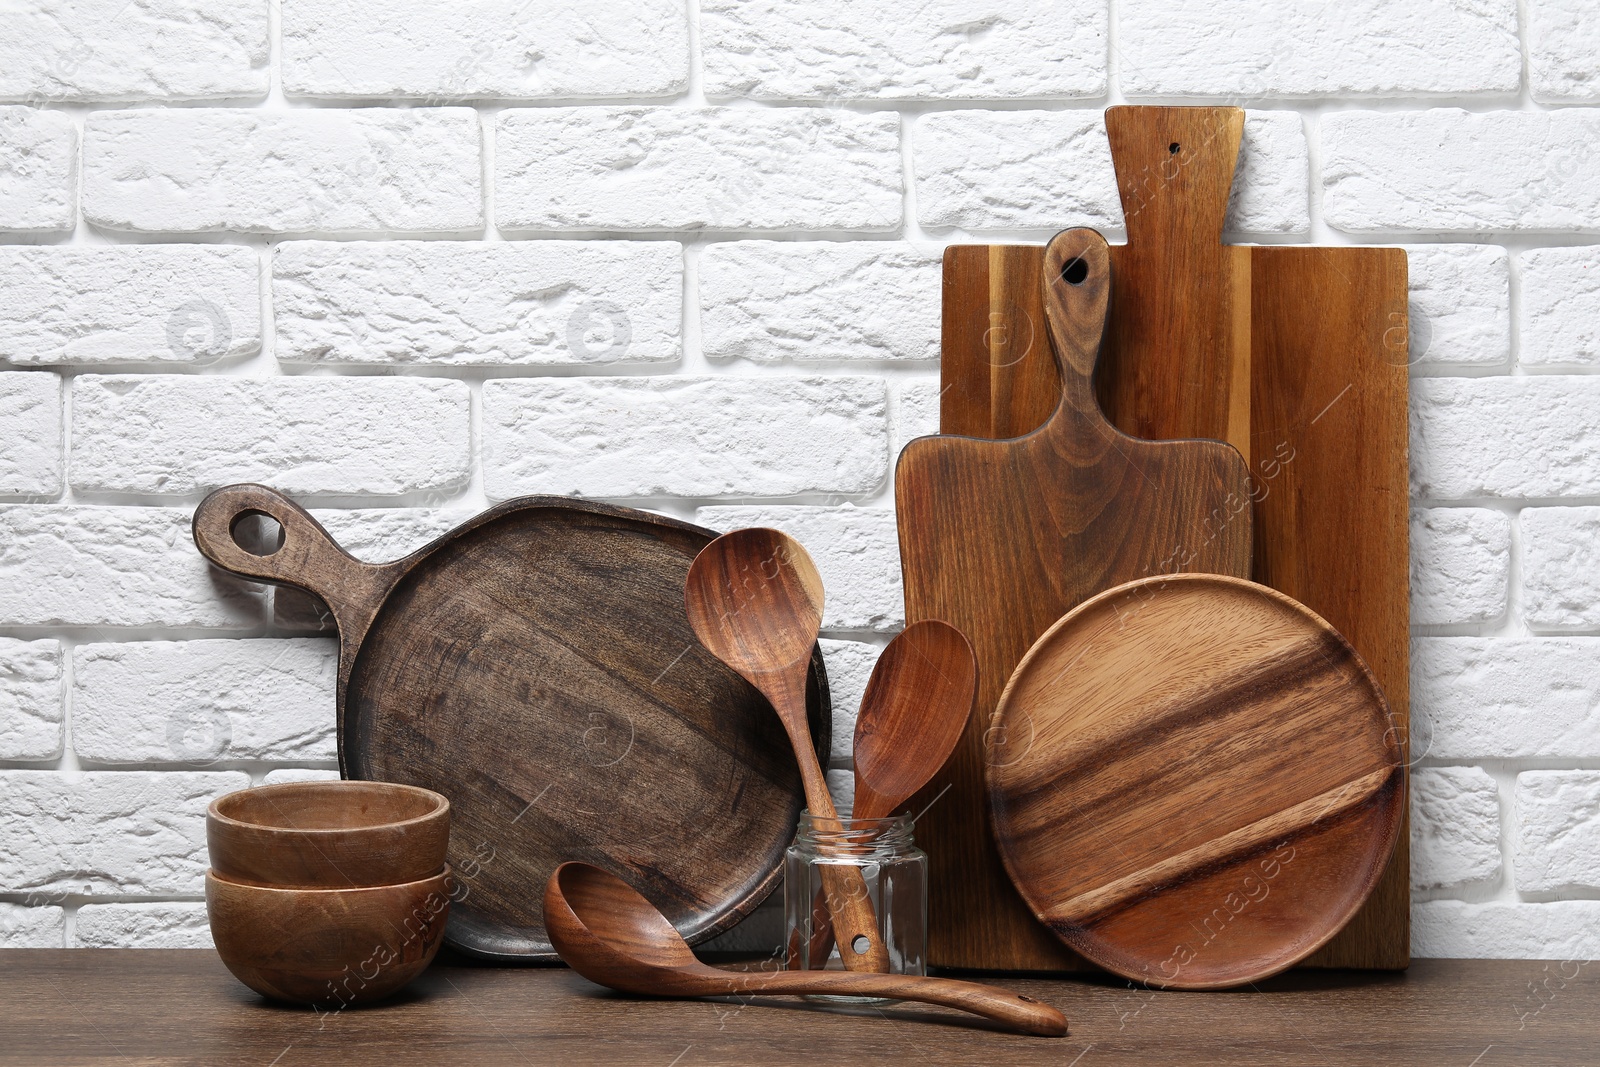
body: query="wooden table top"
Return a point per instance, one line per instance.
(88, 1006)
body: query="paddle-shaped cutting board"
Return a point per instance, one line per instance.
(1319, 336)
(1001, 538)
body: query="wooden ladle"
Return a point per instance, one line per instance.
(916, 708)
(613, 936)
(754, 598)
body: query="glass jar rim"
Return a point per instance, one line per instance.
(855, 837)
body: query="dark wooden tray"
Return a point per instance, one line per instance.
(536, 666)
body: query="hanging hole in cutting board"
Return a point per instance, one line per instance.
(1174, 148)
(257, 533)
(1074, 271)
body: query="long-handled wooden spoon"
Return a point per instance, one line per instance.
(915, 710)
(613, 936)
(754, 598)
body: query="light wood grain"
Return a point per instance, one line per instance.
(1199, 782)
(536, 666)
(1000, 538)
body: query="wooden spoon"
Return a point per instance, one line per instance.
(915, 710)
(754, 598)
(614, 937)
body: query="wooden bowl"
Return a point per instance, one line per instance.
(333, 834)
(331, 948)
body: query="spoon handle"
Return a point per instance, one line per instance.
(854, 920)
(1012, 1010)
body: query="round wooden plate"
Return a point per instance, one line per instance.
(537, 667)
(1194, 780)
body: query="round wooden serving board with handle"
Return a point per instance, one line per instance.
(1194, 781)
(536, 666)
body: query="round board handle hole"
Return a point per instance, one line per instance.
(1075, 271)
(257, 533)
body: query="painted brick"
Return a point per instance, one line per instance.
(30, 699)
(1560, 584)
(107, 832)
(298, 774)
(191, 305)
(202, 170)
(707, 437)
(502, 49)
(850, 666)
(143, 925)
(819, 301)
(372, 535)
(1460, 565)
(1476, 698)
(524, 303)
(37, 926)
(842, 787)
(857, 552)
(1455, 827)
(658, 168)
(171, 434)
(1446, 170)
(1557, 843)
(996, 170)
(1197, 48)
(74, 565)
(1564, 50)
(38, 170)
(1460, 305)
(116, 50)
(1506, 437)
(1501, 929)
(916, 411)
(30, 426)
(1559, 322)
(203, 701)
(881, 49)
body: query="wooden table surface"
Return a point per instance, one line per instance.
(144, 1006)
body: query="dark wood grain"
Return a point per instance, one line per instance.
(536, 666)
(1001, 538)
(1195, 781)
(1324, 326)
(611, 935)
(180, 1007)
(754, 598)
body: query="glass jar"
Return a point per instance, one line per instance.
(896, 876)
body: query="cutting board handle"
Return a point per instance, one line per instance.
(1077, 293)
(308, 558)
(1174, 170)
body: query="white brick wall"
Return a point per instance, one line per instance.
(502, 49)
(190, 305)
(206, 170)
(38, 170)
(405, 259)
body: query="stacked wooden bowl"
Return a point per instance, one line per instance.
(328, 893)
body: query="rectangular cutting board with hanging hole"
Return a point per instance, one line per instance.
(1294, 354)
